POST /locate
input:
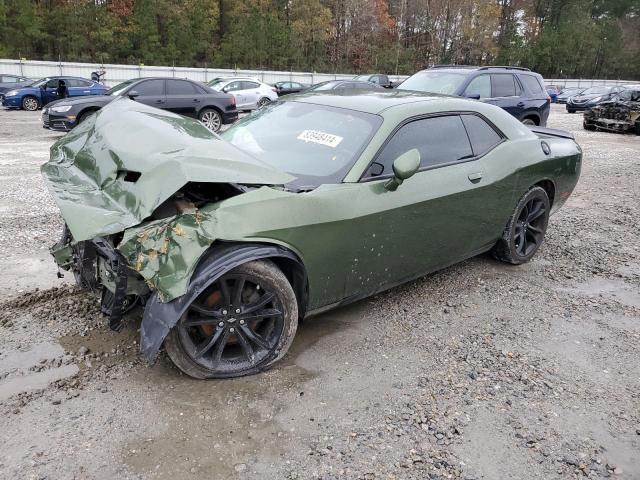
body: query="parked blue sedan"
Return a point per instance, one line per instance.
(45, 90)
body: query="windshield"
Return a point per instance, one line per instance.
(629, 95)
(315, 143)
(434, 82)
(40, 82)
(596, 91)
(328, 85)
(217, 84)
(118, 89)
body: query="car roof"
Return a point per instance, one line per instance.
(367, 101)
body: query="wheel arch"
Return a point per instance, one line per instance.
(86, 111)
(548, 187)
(159, 318)
(210, 107)
(535, 116)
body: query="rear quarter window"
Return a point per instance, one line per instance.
(532, 83)
(503, 85)
(481, 135)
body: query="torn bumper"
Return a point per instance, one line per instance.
(98, 266)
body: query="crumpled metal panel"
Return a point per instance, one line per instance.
(617, 116)
(113, 170)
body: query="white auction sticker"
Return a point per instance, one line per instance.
(322, 138)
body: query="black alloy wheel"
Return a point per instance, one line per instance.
(241, 324)
(525, 229)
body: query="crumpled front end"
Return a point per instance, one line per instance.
(138, 189)
(615, 116)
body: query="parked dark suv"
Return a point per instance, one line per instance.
(517, 90)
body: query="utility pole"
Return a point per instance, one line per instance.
(403, 5)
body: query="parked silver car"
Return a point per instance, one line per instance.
(250, 93)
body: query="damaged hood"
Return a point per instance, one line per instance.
(113, 170)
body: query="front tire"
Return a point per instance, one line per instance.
(529, 122)
(240, 325)
(30, 103)
(588, 126)
(211, 119)
(569, 110)
(525, 229)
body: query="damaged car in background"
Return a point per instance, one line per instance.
(227, 242)
(621, 114)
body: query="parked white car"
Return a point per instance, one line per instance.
(250, 93)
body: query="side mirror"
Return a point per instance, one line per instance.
(404, 167)
(474, 96)
(225, 89)
(132, 94)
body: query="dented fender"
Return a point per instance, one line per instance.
(160, 317)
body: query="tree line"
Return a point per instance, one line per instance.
(558, 38)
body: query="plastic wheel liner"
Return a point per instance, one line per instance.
(159, 318)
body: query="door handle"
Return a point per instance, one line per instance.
(159, 101)
(475, 177)
(196, 100)
(520, 104)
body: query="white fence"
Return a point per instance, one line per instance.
(119, 73)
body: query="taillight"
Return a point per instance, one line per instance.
(548, 99)
(233, 100)
(274, 89)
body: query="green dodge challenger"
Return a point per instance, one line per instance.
(310, 203)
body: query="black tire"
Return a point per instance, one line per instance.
(83, 116)
(525, 229)
(30, 103)
(259, 310)
(571, 110)
(588, 126)
(637, 128)
(211, 119)
(529, 122)
(263, 101)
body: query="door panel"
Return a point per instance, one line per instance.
(182, 98)
(151, 92)
(430, 221)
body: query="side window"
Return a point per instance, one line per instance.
(374, 79)
(53, 83)
(296, 85)
(250, 85)
(180, 87)
(150, 88)
(531, 83)
(483, 137)
(286, 85)
(481, 85)
(234, 86)
(82, 83)
(384, 80)
(503, 85)
(440, 140)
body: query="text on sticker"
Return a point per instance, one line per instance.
(322, 138)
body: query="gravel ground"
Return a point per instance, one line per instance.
(480, 371)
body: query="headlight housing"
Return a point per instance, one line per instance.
(11, 93)
(60, 108)
(597, 99)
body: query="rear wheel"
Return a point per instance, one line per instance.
(570, 110)
(30, 103)
(211, 119)
(263, 101)
(242, 324)
(529, 122)
(526, 228)
(637, 129)
(588, 126)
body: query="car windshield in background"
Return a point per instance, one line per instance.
(328, 85)
(118, 89)
(40, 82)
(434, 82)
(217, 85)
(632, 95)
(596, 91)
(315, 143)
